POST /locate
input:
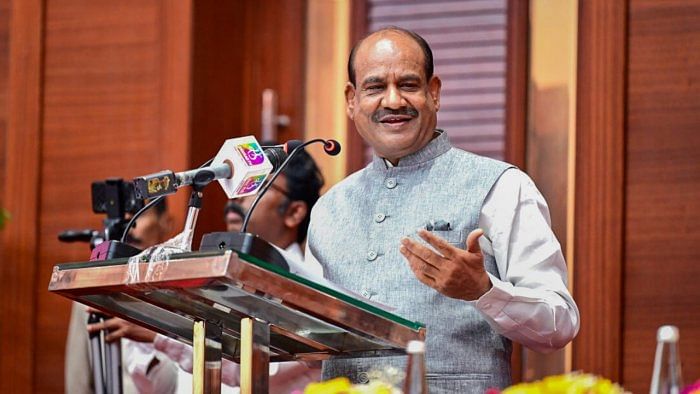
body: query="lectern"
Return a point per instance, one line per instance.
(233, 305)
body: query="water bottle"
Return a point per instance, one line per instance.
(415, 382)
(666, 377)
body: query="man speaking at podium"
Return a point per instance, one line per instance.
(457, 241)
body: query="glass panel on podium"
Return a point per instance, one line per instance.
(308, 319)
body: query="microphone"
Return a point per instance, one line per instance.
(332, 147)
(241, 167)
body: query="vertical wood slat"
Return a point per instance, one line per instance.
(517, 55)
(516, 80)
(21, 192)
(599, 207)
(4, 63)
(355, 144)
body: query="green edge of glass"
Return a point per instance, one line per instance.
(354, 301)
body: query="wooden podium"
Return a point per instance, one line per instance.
(238, 307)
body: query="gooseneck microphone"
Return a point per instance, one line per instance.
(331, 147)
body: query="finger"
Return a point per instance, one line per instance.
(109, 324)
(96, 327)
(438, 243)
(473, 241)
(419, 267)
(114, 335)
(422, 252)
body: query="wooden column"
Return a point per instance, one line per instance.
(600, 158)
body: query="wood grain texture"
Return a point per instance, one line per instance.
(516, 81)
(663, 185)
(515, 116)
(599, 204)
(4, 77)
(108, 83)
(21, 190)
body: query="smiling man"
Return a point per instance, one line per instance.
(457, 241)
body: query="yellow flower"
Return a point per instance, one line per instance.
(333, 386)
(574, 383)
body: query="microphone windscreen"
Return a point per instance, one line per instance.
(332, 147)
(277, 156)
(290, 145)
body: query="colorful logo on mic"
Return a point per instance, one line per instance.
(251, 184)
(251, 153)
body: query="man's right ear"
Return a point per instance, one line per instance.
(350, 100)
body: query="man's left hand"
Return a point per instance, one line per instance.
(456, 273)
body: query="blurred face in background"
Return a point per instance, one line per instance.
(276, 218)
(151, 229)
(233, 220)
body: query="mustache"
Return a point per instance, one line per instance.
(382, 112)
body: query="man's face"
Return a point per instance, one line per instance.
(393, 106)
(268, 218)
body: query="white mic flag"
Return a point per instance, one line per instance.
(249, 166)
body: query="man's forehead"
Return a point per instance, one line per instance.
(381, 54)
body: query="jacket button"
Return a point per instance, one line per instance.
(371, 255)
(390, 183)
(379, 217)
(363, 377)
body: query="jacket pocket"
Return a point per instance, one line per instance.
(454, 237)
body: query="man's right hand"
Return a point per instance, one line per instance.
(119, 328)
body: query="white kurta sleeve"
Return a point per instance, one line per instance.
(529, 301)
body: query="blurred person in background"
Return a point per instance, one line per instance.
(153, 227)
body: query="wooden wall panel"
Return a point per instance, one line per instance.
(105, 72)
(4, 56)
(241, 48)
(20, 191)
(517, 58)
(663, 185)
(598, 231)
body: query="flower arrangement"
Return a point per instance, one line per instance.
(571, 383)
(343, 386)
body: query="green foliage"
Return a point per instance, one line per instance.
(4, 217)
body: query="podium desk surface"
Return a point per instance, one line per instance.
(309, 320)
